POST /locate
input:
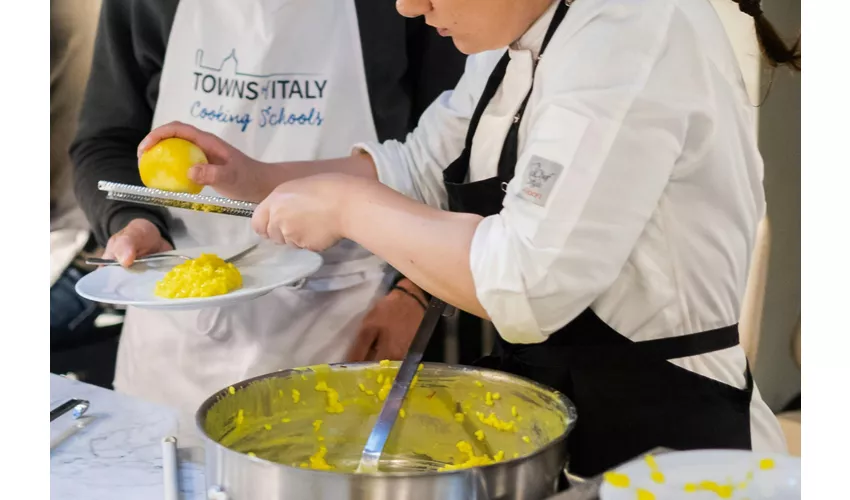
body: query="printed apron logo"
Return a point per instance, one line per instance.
(286, 99)
(540, 177)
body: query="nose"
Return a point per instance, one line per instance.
(413, 8)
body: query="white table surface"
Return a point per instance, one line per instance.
(114, 451)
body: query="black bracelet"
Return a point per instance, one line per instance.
(411, 294)
(398, 278)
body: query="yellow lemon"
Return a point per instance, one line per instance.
(166, 165)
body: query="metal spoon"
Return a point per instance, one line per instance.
(157, 257)
(389, 413)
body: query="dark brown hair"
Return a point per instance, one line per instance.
(775, 50)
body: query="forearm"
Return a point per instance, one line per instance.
(434, 250)
(357, 165)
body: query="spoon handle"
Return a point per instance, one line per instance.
(389, 413)
(95, 261)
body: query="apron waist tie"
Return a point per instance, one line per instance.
(622, 354)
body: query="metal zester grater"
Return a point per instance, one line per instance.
(168, 199)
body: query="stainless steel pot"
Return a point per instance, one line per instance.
(233, 474)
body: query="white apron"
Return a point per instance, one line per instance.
(280, 80)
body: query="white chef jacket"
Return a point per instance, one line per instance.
(648, 207)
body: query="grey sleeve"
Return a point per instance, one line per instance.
(118, 109)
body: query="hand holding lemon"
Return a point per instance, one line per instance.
(179, 157)
(299, 202)
(166, 165)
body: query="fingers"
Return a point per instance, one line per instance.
(386, 349)
(373, 354)
(382, 350)
(121, 247)
(164, 246)
(260, 219)
(212, 175)
(167, 131)
(390, 343)
(107, 252)
(265, 223)
(140, 237)
(217, 150)
(363, 344)
(274, 231)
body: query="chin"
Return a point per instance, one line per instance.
(470, 46)
(467, 46)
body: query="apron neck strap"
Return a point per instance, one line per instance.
(493, 83)
(560, 13)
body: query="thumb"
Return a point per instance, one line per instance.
(208, 174)
(217, 150)
(124, 250)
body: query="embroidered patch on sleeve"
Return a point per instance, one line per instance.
(539, 179)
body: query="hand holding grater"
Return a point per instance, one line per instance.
(169, 199)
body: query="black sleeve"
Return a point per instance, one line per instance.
(407, 66)
(118, 109)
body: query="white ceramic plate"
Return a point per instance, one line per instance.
(722, 467)
(266, 268)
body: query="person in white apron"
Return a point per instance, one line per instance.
(283, 80)
(603, 187)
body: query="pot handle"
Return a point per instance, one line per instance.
(573, 479)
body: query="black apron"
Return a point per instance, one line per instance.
(628, 396)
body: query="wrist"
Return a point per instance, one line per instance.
(410, 294)
(411, 288)
(268, 177)
(350, 192)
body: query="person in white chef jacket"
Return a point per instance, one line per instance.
(594, 190)
(284, 80)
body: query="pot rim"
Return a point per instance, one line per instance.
(572, 416)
